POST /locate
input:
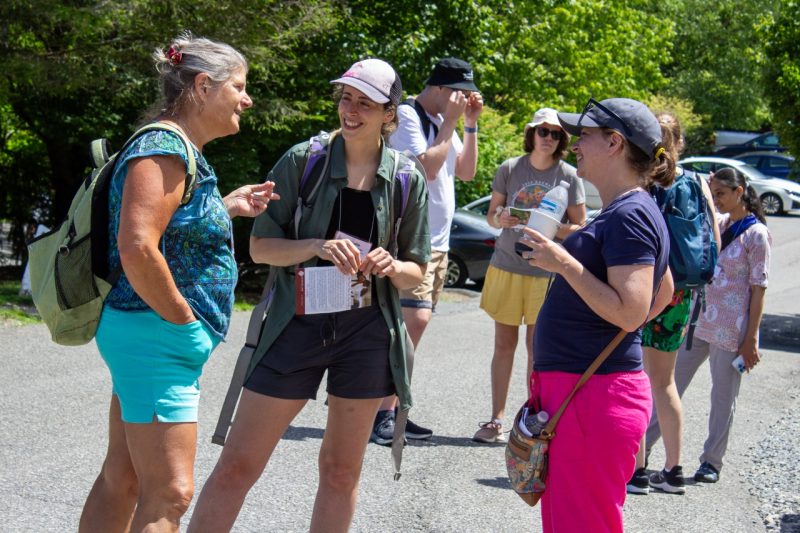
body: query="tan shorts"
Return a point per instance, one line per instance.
(512, 299)
(426, 294)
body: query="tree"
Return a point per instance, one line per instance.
(78, 70)
(715, 60)
(781, 37)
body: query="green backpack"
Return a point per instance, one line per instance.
(70, 276)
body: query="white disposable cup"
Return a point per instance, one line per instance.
(544, 224)
(738, 364)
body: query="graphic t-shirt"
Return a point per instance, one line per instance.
(524, 187)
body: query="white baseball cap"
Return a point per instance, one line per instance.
(375, 78)
(545, 114)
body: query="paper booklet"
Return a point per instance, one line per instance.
(327, 290)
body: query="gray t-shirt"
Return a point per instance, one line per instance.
(524, 187)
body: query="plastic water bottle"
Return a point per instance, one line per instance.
(555, 201)
(536, 422)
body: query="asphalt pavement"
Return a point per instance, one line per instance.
(54, 400)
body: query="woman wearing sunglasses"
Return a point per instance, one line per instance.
(514, 290)
(611, 275)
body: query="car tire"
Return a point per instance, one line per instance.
(771, 204)
(456, 275)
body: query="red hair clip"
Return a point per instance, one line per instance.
(174, 55)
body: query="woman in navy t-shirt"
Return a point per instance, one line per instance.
(608, 275)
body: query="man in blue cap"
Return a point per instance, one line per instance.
(427, 129)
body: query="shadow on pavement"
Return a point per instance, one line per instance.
(790, 523)
(498, 482)
(303, 433)
(780, 332)
(439, 440)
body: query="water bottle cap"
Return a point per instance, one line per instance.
(564, 184)
(542, 416)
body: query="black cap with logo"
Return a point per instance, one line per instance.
(453, 73)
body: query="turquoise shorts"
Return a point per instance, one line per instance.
(155, 365)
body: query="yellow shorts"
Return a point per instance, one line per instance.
(426, 294)
(512, 299)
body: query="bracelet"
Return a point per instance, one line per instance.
(468, 129)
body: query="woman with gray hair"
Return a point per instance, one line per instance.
(170, 240)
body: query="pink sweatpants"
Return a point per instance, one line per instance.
(592, 455)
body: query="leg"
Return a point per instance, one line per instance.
(340, 459)
(660, 366)
(259, 424)
(725, 383)
(505, 344)
(529, 349)
(686, 364)
(110, 504)
(612, 409)
(163, 457)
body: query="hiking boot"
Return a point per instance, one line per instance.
(706, 474)
(639, 483)
(383, 429)
(417, 432)
(669, 480)
(490, 432)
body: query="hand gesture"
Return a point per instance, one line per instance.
(378, 262)
(544, 253)
(504, 218)
(342, 253)
(250, 200)
(749, 352)
(456, 105)
(473, 110)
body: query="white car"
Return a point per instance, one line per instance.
(777, 195)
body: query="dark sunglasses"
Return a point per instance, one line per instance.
(543, 132)
(595, 104)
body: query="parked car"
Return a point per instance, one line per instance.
(777, 195)
(775, 164)
(765, 142)
(471, 247)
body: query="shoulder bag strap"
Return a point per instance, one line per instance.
(243, 361)
(547, 432)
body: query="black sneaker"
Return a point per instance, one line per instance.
(415, 432)
(639, 483)
(669, 481)
(706, 473)
(383, 429)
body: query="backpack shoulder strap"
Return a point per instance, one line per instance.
(100, 155)
(402, 174)
(319, 148)
(424, 119)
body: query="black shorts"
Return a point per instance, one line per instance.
(353, 346)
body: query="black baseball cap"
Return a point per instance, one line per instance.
(630, 117)
(453, 73)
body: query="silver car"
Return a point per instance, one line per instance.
(777, 195)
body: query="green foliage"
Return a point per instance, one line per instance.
(696, 133)
(716, 55)
(782, 72)
(498, 140)
(15, 308)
